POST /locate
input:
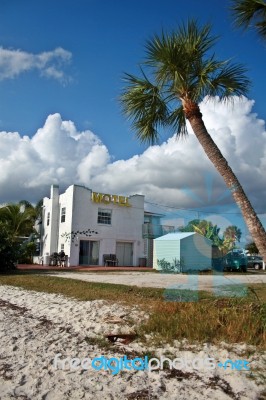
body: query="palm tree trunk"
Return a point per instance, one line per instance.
(254, 225)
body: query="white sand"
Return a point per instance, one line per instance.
(37, 326)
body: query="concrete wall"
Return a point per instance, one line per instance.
(49, 232)
(82, 215)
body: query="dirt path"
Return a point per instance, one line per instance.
(180, 281)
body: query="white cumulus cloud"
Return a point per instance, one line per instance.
(176, 173)
(49, 64)
(53, 155)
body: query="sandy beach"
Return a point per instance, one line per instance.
(35, 327)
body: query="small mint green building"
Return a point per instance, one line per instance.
(185, 250)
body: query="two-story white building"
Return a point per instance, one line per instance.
(87, 225)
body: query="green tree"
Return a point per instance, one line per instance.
(18, 219)
(190, 226)
(9, 251)
(252, 248)
(252, 13)
(38, 209)
(224, 243)
(233, 232)
(181, 72)
(205, 228)
(210, 231)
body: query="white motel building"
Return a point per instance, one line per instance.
(91, 227)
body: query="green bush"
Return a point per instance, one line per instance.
(9, 250)
(171, 268)
(27, 251)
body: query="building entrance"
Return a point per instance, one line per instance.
(124, 253)
(88, 252)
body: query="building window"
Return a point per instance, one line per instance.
(104, 216)
(48, 219)
(63, 214)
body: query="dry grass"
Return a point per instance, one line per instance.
(229, 320)
(173, 314)
(80, 290)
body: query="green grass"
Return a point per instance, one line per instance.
(173, 314)
(80, 290)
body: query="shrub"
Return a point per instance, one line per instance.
(172, 268)
(9, 250)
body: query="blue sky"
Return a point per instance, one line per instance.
(105, 38)
(98, 41)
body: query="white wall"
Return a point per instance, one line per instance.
(49, 232)
(66, 201)
(82, 214)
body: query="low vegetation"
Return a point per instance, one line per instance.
(8, 250)
(18, 237)
(174, 314)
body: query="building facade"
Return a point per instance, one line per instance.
(87, 226)
(153, 229)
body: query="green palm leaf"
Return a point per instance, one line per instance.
(179, 66)
(250, 12)
(145, 106)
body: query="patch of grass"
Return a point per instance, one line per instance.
(257, 291)
(216, 320)
(173, 315)
(80, 290)
(100, 342)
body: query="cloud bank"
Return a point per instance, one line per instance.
(176, 173)
(49, 64)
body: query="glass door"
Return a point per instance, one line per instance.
(88, 252)
(124, 253)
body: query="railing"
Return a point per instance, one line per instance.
(152, 231)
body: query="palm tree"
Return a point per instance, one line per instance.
(247, 12)
(233, 232)
(210, 231)
(18, 219)
(183, 73)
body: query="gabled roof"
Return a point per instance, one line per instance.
(153, 214)
(176, 236)
(182, 235)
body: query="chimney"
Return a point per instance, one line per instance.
(54, 192)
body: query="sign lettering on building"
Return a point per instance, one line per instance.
(110, 198)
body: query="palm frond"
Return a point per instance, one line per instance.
(194, 39)
(248, 12)
(261, 27)
(164, 55)
(171, 55)
(177, 121)
(143, 104)
(180, 71)
(229, 81)
(201, 75)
